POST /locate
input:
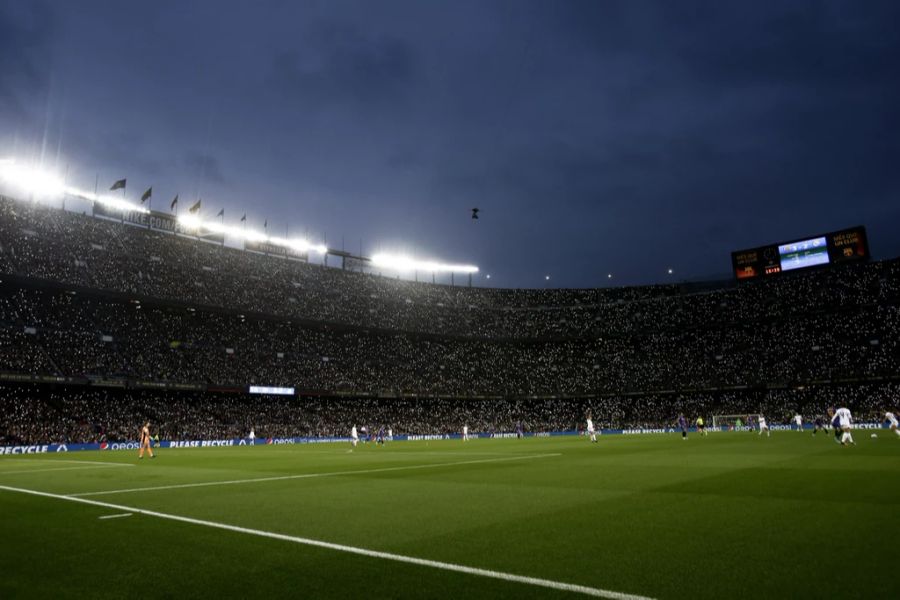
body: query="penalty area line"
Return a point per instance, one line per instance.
(178, 486)
(422, 562)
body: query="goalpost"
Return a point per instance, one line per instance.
(734, 422)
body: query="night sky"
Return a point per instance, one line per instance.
(596, 137)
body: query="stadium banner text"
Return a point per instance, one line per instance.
(275, 250)
(158, 221)
(134, 445)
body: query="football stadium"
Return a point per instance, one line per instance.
(431, 439)
(198, 404)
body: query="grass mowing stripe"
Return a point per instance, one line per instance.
(311, 475)
(423, 562)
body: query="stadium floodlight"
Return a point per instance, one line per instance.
(111, 201)
(30, 179)
(193, 222)
(405, 263)
(43, 183)
(190, 221)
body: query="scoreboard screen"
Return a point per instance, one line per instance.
(848, 245)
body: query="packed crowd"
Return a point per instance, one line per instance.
(59, 332)
(34, 414)
(76, 249)
(93, 299)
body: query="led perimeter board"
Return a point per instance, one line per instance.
(847, 245)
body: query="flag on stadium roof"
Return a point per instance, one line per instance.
(174, 203)
(146, 195)
(195, 208)
(221, 213)
(119, 185)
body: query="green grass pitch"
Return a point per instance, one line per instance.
(729, 515)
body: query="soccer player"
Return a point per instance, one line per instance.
(252, 436)
(798, 421)
(145, 441)
(701, 426)
(590, 428)
(819, 425)
(682, 423)
(891, 418)
(835, 426)
(465, 433)
(520, 430)
(354, 436)
(841, 420)
(763, 425)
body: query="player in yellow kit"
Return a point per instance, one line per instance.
(701, 427)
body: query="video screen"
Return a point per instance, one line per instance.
(807, 253)
(281, 391)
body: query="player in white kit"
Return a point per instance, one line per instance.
(590, 428)
(841, 419)
(762, 425)
(252, 436)
(798, 421)
(891, 418)
(354, 436)
(465, 433)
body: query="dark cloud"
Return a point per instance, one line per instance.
(341, 65)
(596, 136)
(205, 166)
(25, 31)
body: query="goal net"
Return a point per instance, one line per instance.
(736, 422)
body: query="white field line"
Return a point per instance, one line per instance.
(312, 475)
(365, 453)
(104, 517)
(23, 471)
(441, 452)
(422, 562)
(62, 460)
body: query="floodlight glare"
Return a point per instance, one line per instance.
(405, 263)
(190, 221)
(41, 183)
(111, 201)
(31, 180)
(193, 222)
(45, 184)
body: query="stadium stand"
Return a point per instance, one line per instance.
(103, 323)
